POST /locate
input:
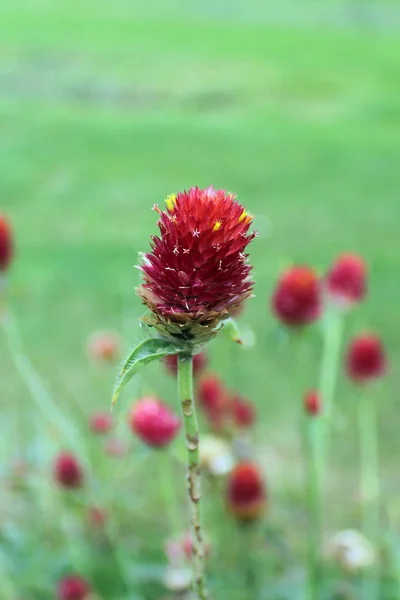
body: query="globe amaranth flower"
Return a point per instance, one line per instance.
(197, 273)
(101, 423)
(73, 587)
(346, 280)
(365, 359)
(246, 494)
(242, 411)
(213, 398)
(312, 403)
(297, 299)
(6, 244)
(154, 422)
(199, 363)
(67, 471)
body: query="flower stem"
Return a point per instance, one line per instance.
(314, 477)
(369, 472)
(185, 383)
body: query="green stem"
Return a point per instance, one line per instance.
(369, 472)
(185, 383)
(314, 487)
(330, 359)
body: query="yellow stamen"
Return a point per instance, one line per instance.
(245, 216)
(217, 225)
(170, 201)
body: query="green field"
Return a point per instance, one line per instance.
(106, 108)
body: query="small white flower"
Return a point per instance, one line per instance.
(216, 455)
(351, 550)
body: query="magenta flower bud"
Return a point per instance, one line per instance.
(347, 279)
(154, 422)
(297, 298)
(312, 403)
(67, 471)
(242, 411)
(6, 245)
(101, 422)
(246, 494)
(366, 358)
(73, 587)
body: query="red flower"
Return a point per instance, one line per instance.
(346, 280)
(104, 346)
(101, 422)
(197, 272)
(246, 494)
(67, 471)
(199, 363)
(154, 422)
(297, 297)
(213, 398)
(6, 248)
(242, 411)
(365, 358)
(73, 587)
(312, 403)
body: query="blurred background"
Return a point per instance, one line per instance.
(106, 107)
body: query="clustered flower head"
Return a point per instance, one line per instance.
(73, 587)
(366, 359)
(154, 422)
(101, 423)
(246, 494)
(312, 403)
(347, 279)
(297, 299)
(104, 346)
(67, 471)
(199, 363)
(6, 245)
(197, 272)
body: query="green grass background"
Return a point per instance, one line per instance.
(107, 107)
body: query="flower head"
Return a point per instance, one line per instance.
(246, 494)
(104, 346)
(312, 403)
(197, 272)
(101, 422)
(242, 411)
(365, 358)
(199, 363)
(154, 422)
(67, 471)
(213, 398)
(297, 297)
(6, 246)
(351, 550)
(347, 278)
(73, 587)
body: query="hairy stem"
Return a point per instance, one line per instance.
(369, 471)
(185, 383)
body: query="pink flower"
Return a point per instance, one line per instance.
(312, 403)
(297, 297)
(67, 471)
(73, 587)
(365, 358)
(6, 245)
(154, 422)
(246, 494)
(101, 422)
(104, 346)
(242, 411)
(347, 278)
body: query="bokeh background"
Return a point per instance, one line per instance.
(106, 107)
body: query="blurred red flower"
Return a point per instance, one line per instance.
(312, 403)
(154, 422)
(97, 516)
(101, 422)
(199, 363)
(242, 411)
(365, 358)
(6, 244)
(73, 587)
(104, 346)
(347, 278)
(246, 493)
(297, 297)
(67, 471)
(197, 272)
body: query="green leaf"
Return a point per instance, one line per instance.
(146, 352)
(232, 329)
